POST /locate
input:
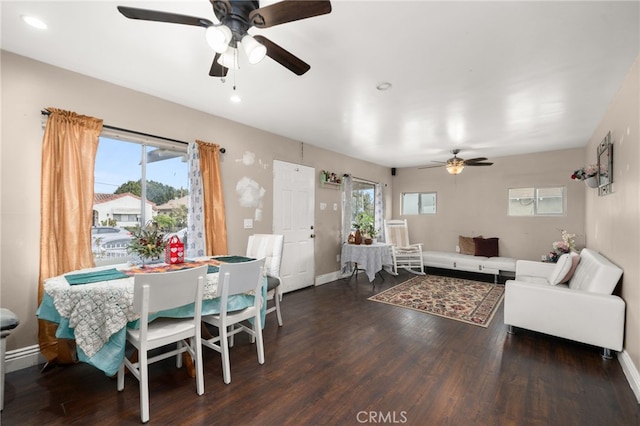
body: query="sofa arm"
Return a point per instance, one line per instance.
(592, 318)
(534, 269)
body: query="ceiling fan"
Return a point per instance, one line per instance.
(235, 18)
(455, 164)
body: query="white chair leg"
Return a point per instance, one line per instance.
(224, 346)
(121, 377)
(143, 368)
(197, 346)
(3, 347)
(179, 355)
(277, 298)
(257, 329)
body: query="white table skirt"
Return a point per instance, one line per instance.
(371, 258)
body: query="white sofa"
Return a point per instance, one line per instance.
(583, 310)
(469, 263)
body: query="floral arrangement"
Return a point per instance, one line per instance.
(370, 230)
(566, 245)
(147, 242)
(585, 172)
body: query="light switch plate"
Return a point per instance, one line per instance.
(248, 223)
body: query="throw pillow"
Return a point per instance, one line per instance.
(487, 247)
(575, 259)
(562, 268)
(467, 245)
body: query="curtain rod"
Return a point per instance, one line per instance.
(120, 129)
(362, 179)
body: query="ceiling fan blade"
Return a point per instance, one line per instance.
(431, 167)
(475, 160)
(283, 57)
(157, 16)
(217, 70)
(287, 11)
(478, 164)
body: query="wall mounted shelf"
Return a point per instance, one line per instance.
(330, 180)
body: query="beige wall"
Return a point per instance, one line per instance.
(613, 221)
(475, 203)
(28, 86)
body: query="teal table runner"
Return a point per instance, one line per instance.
(96, 276)
(233, 259)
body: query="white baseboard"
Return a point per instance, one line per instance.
(631, 372)
(327, 278)
(18, 359)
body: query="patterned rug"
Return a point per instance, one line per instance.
(468, 301)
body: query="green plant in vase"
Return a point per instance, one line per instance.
(147, 242)
(370, 230)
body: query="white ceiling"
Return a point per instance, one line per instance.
(491, 78)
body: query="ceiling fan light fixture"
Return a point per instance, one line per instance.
(229, 59)
(455, 166)
(218, 37)
(255, 51)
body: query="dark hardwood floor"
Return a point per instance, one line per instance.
(340, 359)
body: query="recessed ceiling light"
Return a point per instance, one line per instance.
(385, 85)
(235, 98)
(34, 22)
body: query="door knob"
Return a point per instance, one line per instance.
(312, 236)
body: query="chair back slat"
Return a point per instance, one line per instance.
(267, 247)
(237, 278)
(168, 290)
(397, 232)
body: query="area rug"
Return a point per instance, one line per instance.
(468, 301)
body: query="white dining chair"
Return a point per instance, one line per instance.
(9, 322)
(154, 292)
(237, 278)
(269, 247)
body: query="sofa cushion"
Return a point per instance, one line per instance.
(487, 247)
(467, 245)
(575, 259)
(562, 268)
(595, 273)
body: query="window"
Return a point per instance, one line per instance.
(129, 192)
(418, 203)
(537, 201)
(363, 202)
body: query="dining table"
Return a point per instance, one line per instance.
(94, 306)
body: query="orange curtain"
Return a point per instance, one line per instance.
(69, 149)
(215, 223)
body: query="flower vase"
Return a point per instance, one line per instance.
(591, 182)
(143, 262)
(358, 237)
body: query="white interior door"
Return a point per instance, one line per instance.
(293, 217)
